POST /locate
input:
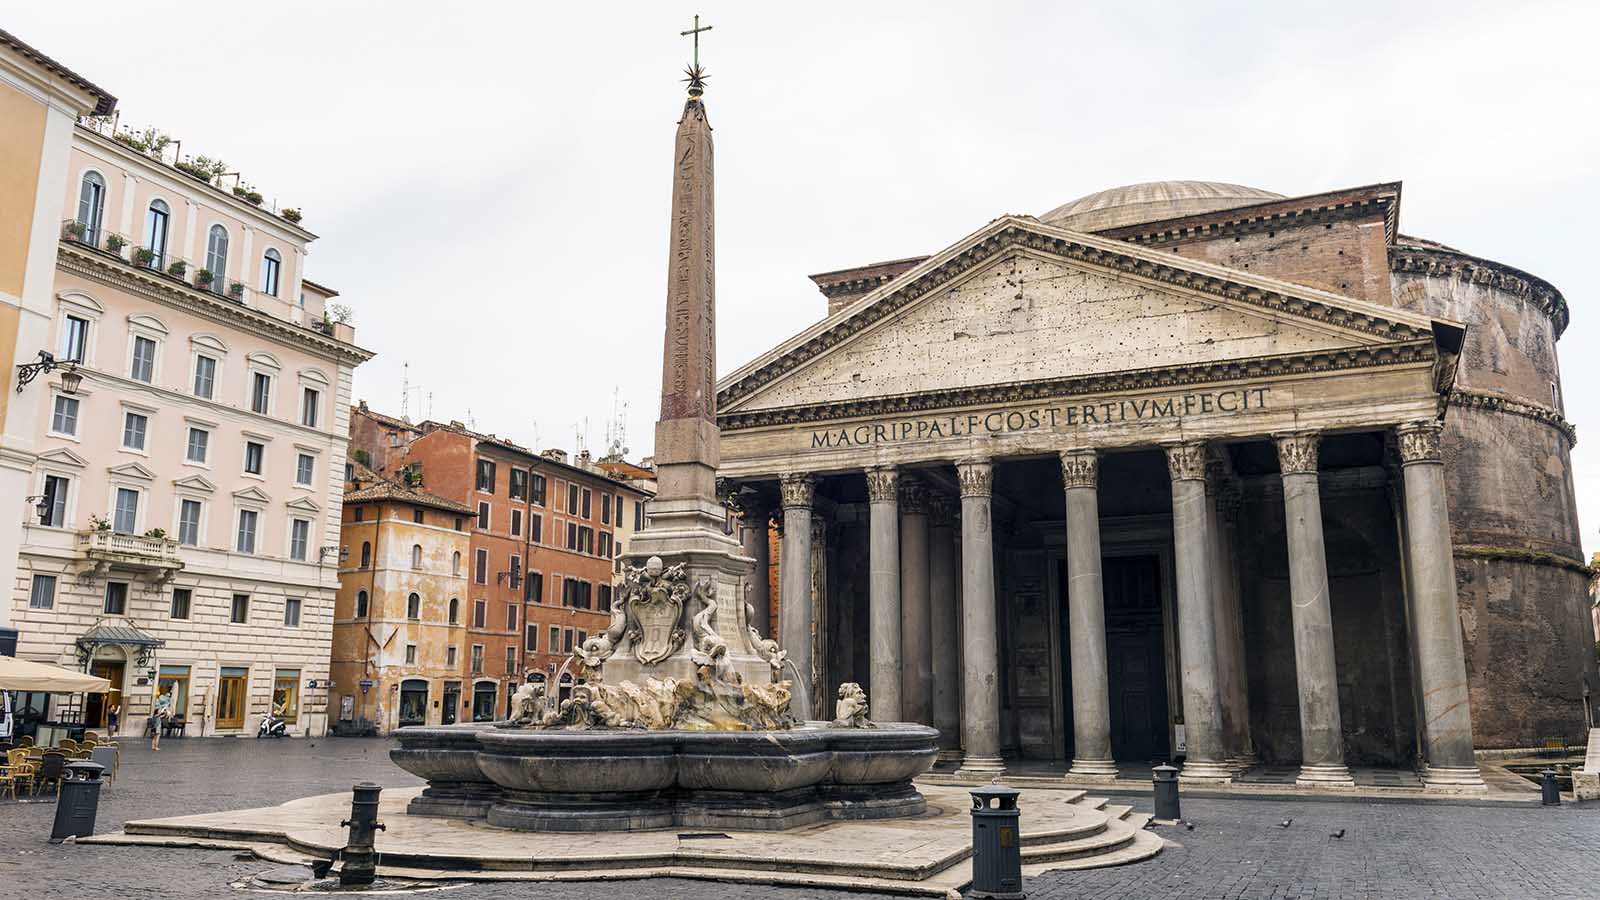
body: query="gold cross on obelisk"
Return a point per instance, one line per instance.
(696, 32)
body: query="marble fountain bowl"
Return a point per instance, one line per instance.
(551, 779)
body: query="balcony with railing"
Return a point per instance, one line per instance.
(152, 553)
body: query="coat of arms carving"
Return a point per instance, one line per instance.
(654, 596)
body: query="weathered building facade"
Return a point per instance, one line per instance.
(1186, 469)
(398, 623)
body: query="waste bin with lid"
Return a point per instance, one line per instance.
(78, 801)
(1165, 779)
(996, 843)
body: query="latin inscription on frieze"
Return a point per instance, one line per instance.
(1046, 417)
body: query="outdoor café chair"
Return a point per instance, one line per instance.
(52, 767)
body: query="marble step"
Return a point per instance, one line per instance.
(1116, 835)
(1087, 823)
(1142, 846)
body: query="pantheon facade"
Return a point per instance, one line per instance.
(1179, 471)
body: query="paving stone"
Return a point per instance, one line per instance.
(1236, 852)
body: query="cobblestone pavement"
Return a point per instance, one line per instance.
(1237, 849)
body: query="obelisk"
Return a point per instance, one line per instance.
(685, 517)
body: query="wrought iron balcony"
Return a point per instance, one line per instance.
(106, 549)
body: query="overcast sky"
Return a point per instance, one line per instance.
(491, 180)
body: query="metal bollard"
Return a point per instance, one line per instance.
(1166, 790)
(996, 844)
(360, 859)
(1550, 792)
(78, 801)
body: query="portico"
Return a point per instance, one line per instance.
(1086, 502)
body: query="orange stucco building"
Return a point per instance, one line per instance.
(543, 541)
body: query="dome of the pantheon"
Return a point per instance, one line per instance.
(1152, 201)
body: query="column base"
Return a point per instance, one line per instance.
(1241, 762)
(1092, 770)
(948, 756)
(980, 768)
(1334, 775)
(1460, 779)
(1198, 771)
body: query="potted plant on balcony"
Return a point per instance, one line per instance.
(115, 243)
(236, 290)
(291, 214)
(144, 256)
(157, 534)
(74, 231)
(203, 278)
(178, 268)
(99, 523)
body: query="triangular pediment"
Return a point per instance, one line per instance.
(132, 470)
(303, 504)
(197, 483)
(252, 495)
(1022, 302)
(61, 456)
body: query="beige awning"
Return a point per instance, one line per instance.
(23, 675)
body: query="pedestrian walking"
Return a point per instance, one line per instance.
(158, 717)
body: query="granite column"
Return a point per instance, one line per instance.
(1316, 674)
(980, 658)
(944, 613)
(1086, 615)
(795, 631)
(883, 615)
(1435, 618)
(916, 635)
(1206, 755)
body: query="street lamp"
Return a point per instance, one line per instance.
(70, 377)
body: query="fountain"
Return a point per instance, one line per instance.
(682, 714)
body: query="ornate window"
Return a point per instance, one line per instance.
(91, 206)
(271, 265)
(217, 257)
(156, 220)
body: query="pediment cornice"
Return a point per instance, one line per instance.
(1420, 351)
(1012, 234)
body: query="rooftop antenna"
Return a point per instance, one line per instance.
(406, 389)
(535, 434)
(617, 427)
(472, 424)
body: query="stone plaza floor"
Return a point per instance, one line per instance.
(1237, 849)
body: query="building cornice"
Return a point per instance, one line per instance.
(1443, 262)
(1418, 352)
(122, 275)
(1312, 209)
(1493, 401)
(1012, 233)
(1522, 555)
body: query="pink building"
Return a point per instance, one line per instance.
(187, 495)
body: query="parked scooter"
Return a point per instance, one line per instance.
(272, 726)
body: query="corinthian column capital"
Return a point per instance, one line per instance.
(1297, 452)
(976, 477)
(1419, 442)
(799, 489)
(882, 483)
(1080, 468)
(913, 497)
(1187, 461)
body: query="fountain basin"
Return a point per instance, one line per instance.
(615, 780)
(446, 756)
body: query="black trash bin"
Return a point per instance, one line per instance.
(78, 801)
(996, 843)
(1165, 780)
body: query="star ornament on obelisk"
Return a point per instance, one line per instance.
(697, 75)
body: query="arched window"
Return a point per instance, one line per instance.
(361, 604)
(455, 611)
(416, 556)
(270, 266)
(455, 563)
(91, 206)
(366, 554)
(155, 233)
(217, 257)
(414, 607)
